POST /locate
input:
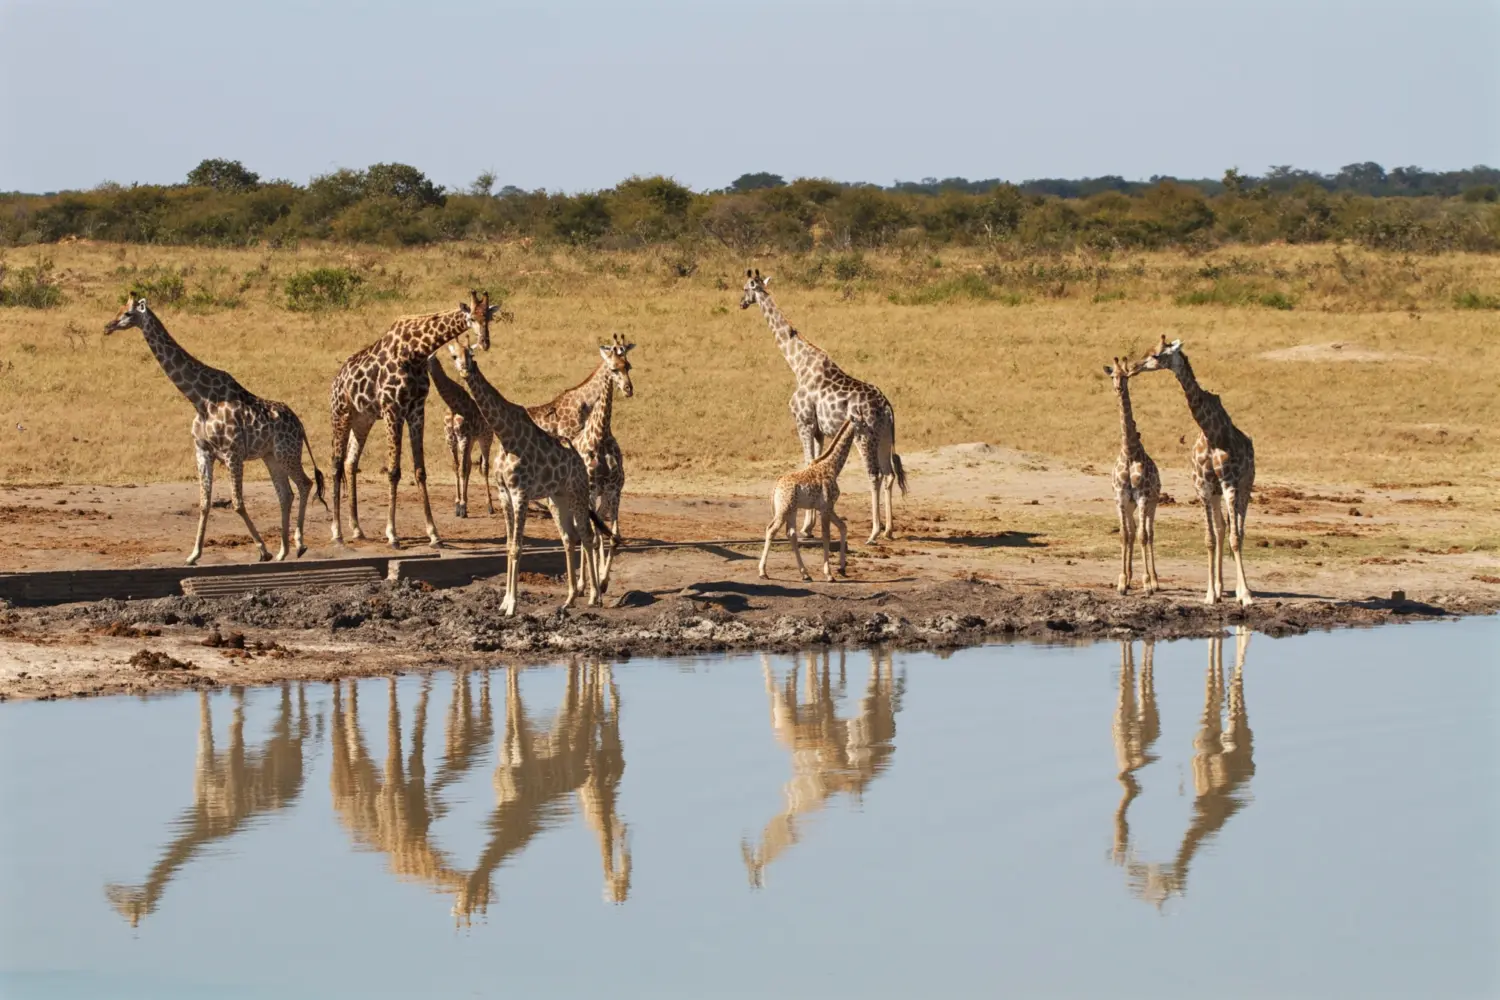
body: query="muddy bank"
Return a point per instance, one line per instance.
(183, 642)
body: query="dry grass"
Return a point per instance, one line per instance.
(1010, 352)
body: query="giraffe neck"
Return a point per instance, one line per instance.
(600, 395)
(1207, 411)
(838, 452)
(428, 334)
(1130, 437)
(792, 346)
(185, 371)
(451, 392)
(508, 420)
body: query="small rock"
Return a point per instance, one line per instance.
(633, 599)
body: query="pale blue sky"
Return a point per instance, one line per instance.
(568, 95)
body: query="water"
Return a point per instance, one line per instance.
(1307, 816)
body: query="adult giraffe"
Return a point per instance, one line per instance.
(825, 397)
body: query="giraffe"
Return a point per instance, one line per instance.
(582, 415)
(829, 754)
(230, 788)
(1223, 468)
(464, 429)
(1223, 764)
(825, 397)
(533, 465)
(388, 381)
(1137, 488)
(813, 487)
(232, 425)
(1137, 726)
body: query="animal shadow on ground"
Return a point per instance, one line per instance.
(1402, 606)
(1003, 540)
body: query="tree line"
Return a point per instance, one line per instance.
(223, 203)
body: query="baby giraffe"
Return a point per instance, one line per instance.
(533, 465)
(816, 488)
(465, 430)
(1137, 488)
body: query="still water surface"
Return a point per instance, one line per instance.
(1311, 816)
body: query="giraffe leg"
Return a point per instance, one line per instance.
(870, 453)
(609, 513)
(340, 453)
(765, 551)
(283, 486)
(791, 531)
(1127, 545)
(1210, 514)
(567, 533)
(485, 441)
(451, 430)
(237, 486)
(1221, 529)
(359, 435)
(466, 469)
(1148, 544)
(393, 428)
(842, 525)
(588, 547)
(812, 447)
(1237, 503)
(827, 555)
(886, 464)
(205, 500)
(515, 529)
(415, 424)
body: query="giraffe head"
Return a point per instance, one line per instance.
(132, 314)
(479, 315)
(463, 359)
(755, 286)
(1119, 372)
(1166, 355)
(615, 360)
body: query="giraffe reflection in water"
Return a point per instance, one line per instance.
(1223, 762)
(580, 752)
(230, 787)
(829, 755)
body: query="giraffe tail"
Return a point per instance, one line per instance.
(895, 458)
(317, 474)
(598, 522)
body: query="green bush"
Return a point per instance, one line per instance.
(32, 288)
(1476, 300)
(322, 288)
(161, 285)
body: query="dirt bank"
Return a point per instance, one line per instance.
(993, 544)
(183, 642)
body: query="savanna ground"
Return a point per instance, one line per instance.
(1367, 381)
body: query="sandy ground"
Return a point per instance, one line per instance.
(992, 543)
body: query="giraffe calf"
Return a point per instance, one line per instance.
(814, 487)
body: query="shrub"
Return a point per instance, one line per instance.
(322, 288)
(33, 287)
(1476, 300)
(223, 175)
(161, 285)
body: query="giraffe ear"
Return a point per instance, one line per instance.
(140, 303)
(766, 281)
(1108, 370)
(606, 351)
(463, 307)
(1176, 345)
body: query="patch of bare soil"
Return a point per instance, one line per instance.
(1336, 351)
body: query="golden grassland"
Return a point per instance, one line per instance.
(1008, 351)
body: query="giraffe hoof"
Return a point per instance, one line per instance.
(301, 551)
(192, 560)
(263, 556)
(436, 543)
